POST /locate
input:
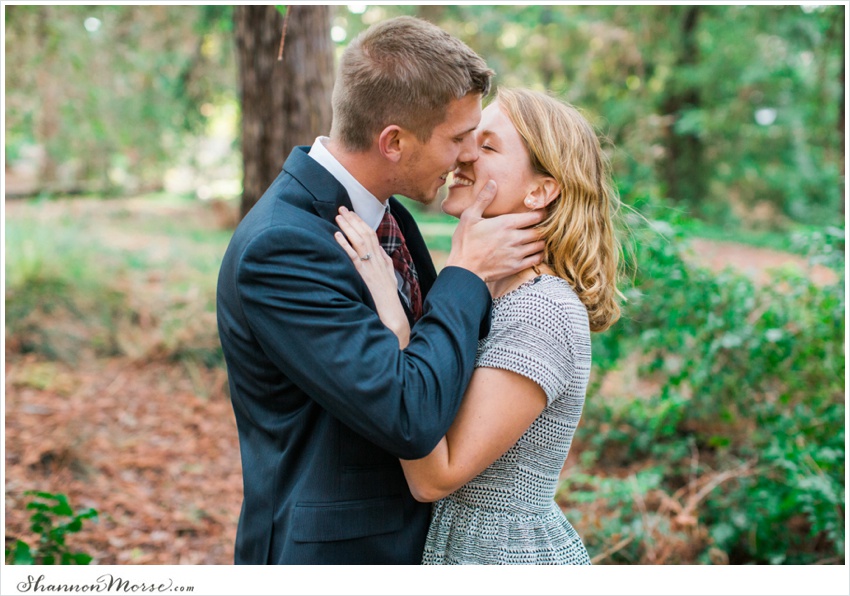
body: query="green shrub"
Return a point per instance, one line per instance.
(53, 520)
(751, 393)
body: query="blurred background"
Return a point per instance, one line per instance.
(136, 137)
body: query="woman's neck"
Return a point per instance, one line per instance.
(508, 284)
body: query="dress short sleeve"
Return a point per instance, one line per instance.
(540, 332)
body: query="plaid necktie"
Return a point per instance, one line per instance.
(392, 241)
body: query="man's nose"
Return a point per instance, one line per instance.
(468, 151)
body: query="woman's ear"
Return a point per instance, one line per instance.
(390, 143)
(544, 192)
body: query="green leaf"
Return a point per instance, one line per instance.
(281, 9)
(74, 526)
(82, 558)
(719, 441)
(41, 518)
(62, 509)
(22, 554)
(57, 536)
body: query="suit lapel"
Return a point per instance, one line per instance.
(328, 194)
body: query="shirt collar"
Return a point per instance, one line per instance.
(365, 204)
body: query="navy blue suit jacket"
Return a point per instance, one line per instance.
(325, 402)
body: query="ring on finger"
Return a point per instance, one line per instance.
(366, 257)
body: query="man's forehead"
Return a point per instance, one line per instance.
(463, 115)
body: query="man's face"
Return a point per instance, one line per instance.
(428, 164)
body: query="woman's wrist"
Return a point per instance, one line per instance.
(400, 327)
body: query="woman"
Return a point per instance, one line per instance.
(494, 475)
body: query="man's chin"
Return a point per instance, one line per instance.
(423, 198)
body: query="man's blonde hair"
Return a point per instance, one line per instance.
(581, 244)
(402, 71)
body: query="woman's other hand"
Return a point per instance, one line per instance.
(375, 266)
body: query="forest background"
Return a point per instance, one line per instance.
(714, 428)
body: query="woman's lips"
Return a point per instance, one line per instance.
(458, 180)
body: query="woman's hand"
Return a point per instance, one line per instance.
(376, 268)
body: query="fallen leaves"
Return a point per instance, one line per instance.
(137, 442)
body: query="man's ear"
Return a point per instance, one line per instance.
(545, 191)
(390, 143)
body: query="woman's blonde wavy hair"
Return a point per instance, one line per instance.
(581, 243)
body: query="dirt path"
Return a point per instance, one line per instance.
(757, 263)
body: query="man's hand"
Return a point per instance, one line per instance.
(496, 247)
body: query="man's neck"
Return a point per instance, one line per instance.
(364, 167)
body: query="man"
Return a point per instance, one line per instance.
(325, 401)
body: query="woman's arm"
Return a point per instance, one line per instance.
(497, 409)
(377, 271)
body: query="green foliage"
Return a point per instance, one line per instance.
(738, 112)
(630, 529)
(746, 105)
(745, 374)
(53, 521)
(110, 95)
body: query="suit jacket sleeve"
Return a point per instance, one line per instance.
(314, 318)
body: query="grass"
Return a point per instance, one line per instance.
(89, 277)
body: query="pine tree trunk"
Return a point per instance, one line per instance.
(47, 118)
(284, 103)
(683, 170)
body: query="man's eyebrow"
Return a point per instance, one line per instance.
(466, 132)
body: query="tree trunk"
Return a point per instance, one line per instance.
(683, 170)
(284, 103)
(47, 117)
(841, 138)
(841, 101)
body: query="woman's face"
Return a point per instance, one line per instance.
(502, 157)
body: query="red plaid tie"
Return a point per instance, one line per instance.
(392, 241)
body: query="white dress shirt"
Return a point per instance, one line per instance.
(365, 204)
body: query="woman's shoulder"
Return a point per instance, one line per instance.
(542, 294)
(539, 330)
(555, 288)
(546, 303)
